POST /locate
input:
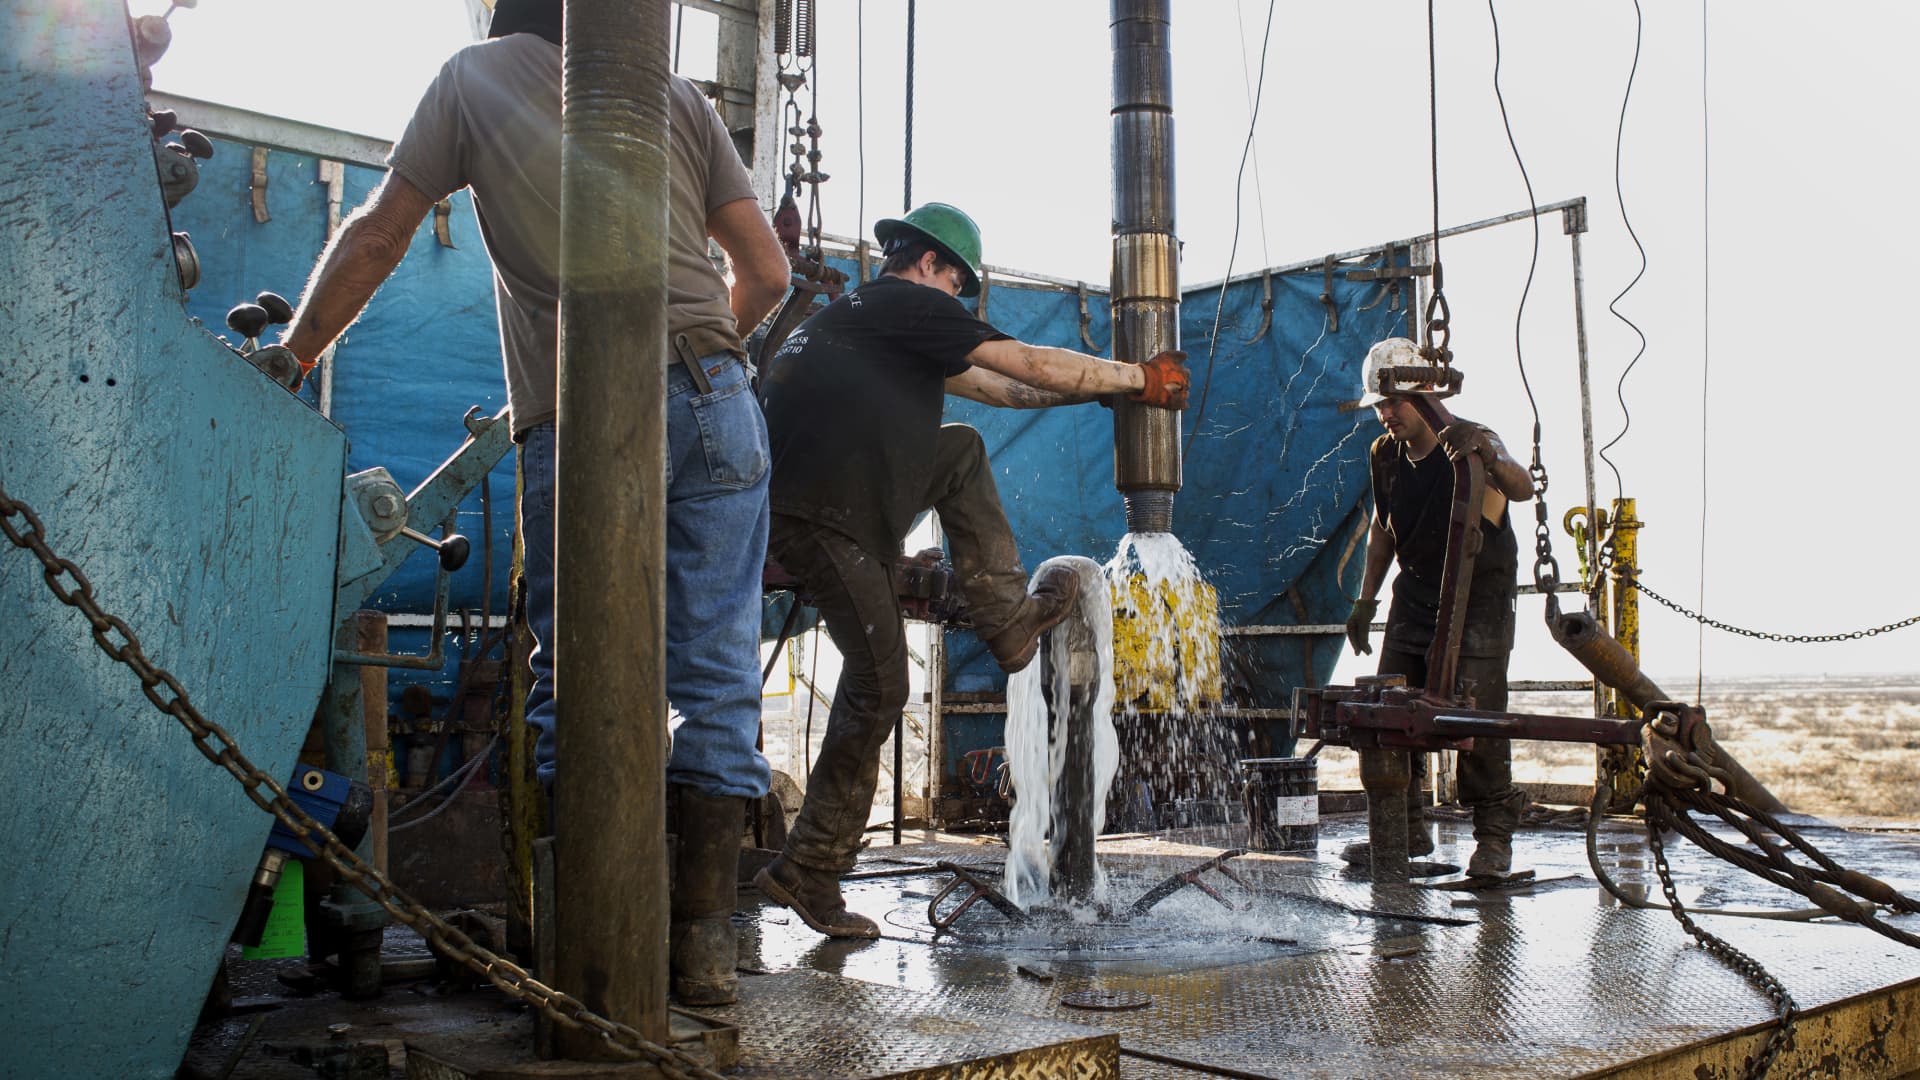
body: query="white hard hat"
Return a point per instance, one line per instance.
(1393, 352)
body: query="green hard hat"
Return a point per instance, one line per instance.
(948, 228)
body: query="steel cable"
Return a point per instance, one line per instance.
(1620, 389)
(1233, 249)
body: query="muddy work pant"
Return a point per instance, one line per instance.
(1486, 771)
(857, 595)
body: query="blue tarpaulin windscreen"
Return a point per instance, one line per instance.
(1274, 469)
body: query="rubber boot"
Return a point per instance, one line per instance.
(1419, 837)
(1493, 825)
(814, 895)
(706, 869)
(1046, 606)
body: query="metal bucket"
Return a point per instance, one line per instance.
(1282, 797)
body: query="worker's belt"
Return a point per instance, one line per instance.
(690, 358)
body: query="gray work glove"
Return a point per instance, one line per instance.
(1359, 623)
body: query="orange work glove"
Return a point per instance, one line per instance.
(1167, 380)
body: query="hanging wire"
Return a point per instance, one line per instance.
(1533, 262)
(1246, 80)
(679, 25)
(1546, 569)
(1246, 150)
(906, 198)
(860, 114)
(1438, 315)
(1620, 389)
(1706, 350)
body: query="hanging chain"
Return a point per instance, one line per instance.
(1546, 568)
(1784, 1007)
(1763, 635)
(168, 696)
(794, 47)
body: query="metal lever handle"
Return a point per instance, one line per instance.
(453, 550)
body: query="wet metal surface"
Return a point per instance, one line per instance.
(1324, 975)
(807, 1024)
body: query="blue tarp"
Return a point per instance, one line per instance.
(1274, 469)
(1274, 463)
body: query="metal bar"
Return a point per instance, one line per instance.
(1538, 685)
(275, 132)
(739, 12)
(1316, 265)
(370, 635)
(610, 546)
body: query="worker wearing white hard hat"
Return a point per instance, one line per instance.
(1413, 497)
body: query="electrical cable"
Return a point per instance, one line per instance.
(1706, 350)
(1246, 81)
(458, 779)
(1246, 150)
(1620, 388)
(1534, 217)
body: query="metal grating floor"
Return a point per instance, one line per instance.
(1554, 980)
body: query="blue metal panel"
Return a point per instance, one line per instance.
(426, 350)
(1275, 465)
(202, 501)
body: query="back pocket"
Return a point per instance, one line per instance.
(733, 434)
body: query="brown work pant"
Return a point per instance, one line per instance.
(857, 596)
(1485, 772)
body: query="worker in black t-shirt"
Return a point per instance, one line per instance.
(1412, 511)
(853, 401)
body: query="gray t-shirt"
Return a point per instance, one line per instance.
(491, 122)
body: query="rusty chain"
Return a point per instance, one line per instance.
(168, 696)
(1784, 1007)
(1633, 579)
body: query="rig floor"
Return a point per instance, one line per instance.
(1310, 972)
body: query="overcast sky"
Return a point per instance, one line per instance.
(1791, 360)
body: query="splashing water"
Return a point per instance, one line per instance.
(1037, 756)
(1156, 626)
(1167, 621)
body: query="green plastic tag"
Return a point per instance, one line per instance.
(286, 932)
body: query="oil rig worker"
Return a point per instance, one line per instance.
(491, 122)
(1412, 508)
(853, 402)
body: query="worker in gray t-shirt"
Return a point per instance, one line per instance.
(491, 122)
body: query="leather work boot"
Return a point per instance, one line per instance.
(1046, 607)
(1492, 857)
(1493, 826)
(814, 895)
(706, 871)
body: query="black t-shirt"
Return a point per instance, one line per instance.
(1413, 500)
(853, 404)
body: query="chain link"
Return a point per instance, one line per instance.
(1784, 1007)
(1795, 639)
(168, 696)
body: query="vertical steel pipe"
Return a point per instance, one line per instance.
(611, 873)
(1146, 256)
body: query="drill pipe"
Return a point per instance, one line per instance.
(1609, 661)
(610, 582)
(1145, 281)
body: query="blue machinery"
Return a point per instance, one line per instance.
(233, 526)
(206, 506)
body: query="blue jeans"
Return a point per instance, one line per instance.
(717, 467)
